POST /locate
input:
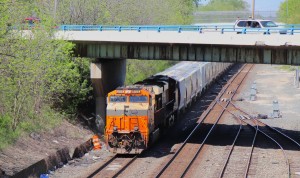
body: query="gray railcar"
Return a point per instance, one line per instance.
(192, 79)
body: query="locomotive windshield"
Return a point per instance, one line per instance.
(118, 99)
(138, 99)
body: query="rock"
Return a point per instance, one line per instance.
(96, 158)
(2, 173)
(35, 136)
(71, 162)
(262, 116)
(60, 165)
(240, 99)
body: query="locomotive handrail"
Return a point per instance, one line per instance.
(283, 29)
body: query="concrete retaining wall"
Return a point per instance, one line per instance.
(53, 161)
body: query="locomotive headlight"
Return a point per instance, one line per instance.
(115, 129)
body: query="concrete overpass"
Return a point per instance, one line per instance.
(195, 43)
(112, 45)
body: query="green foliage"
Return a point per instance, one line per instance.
(286, 68)
(114, 12)
(137, 70)
(39, 79)
(224, 5)
(6, 134)
(289, 12)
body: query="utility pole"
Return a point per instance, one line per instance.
(55, 8)
(287, 10)
(253, 8)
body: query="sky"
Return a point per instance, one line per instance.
(265, 5)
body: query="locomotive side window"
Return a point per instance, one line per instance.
(138, 99)
(118, 99)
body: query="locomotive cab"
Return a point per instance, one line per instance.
(127, 120)
(135, 115)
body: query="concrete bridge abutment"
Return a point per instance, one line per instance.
(106, 75)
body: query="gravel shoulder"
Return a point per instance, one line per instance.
(273, 84)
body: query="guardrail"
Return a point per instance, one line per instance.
(282, 29)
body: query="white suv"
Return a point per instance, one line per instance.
(259, 24)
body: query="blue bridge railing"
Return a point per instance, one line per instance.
(282, 29)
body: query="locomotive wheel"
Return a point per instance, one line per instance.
(113, 142)
(171, 120)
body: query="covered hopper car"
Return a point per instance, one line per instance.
(136, 114)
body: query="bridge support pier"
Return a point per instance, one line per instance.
(106, 75)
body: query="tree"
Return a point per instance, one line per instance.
(288, 12)
(224, 5)
(112, 12)
(39, 80)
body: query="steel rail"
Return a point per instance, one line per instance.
(283, 134)
(126, 166)
(257, 129)
(195, 128)
(217, 100)
(103, 166)
(109, 162)
(228, 156)
(203, 142)
(275, 130)
(230, 152)
(251, 152)
(231, 149)
(283, 151)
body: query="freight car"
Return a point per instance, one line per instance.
(136, 114)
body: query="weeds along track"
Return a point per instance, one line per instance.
(114, 167)
(194, 147)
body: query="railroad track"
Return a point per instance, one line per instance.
(114, 167)
(244, 162)
(290, 147)
(181, 162)
(237, 156)
(287, 145)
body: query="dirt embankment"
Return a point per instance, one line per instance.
(34, 147)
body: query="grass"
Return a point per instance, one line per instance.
(286, 68)
(46, 121)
